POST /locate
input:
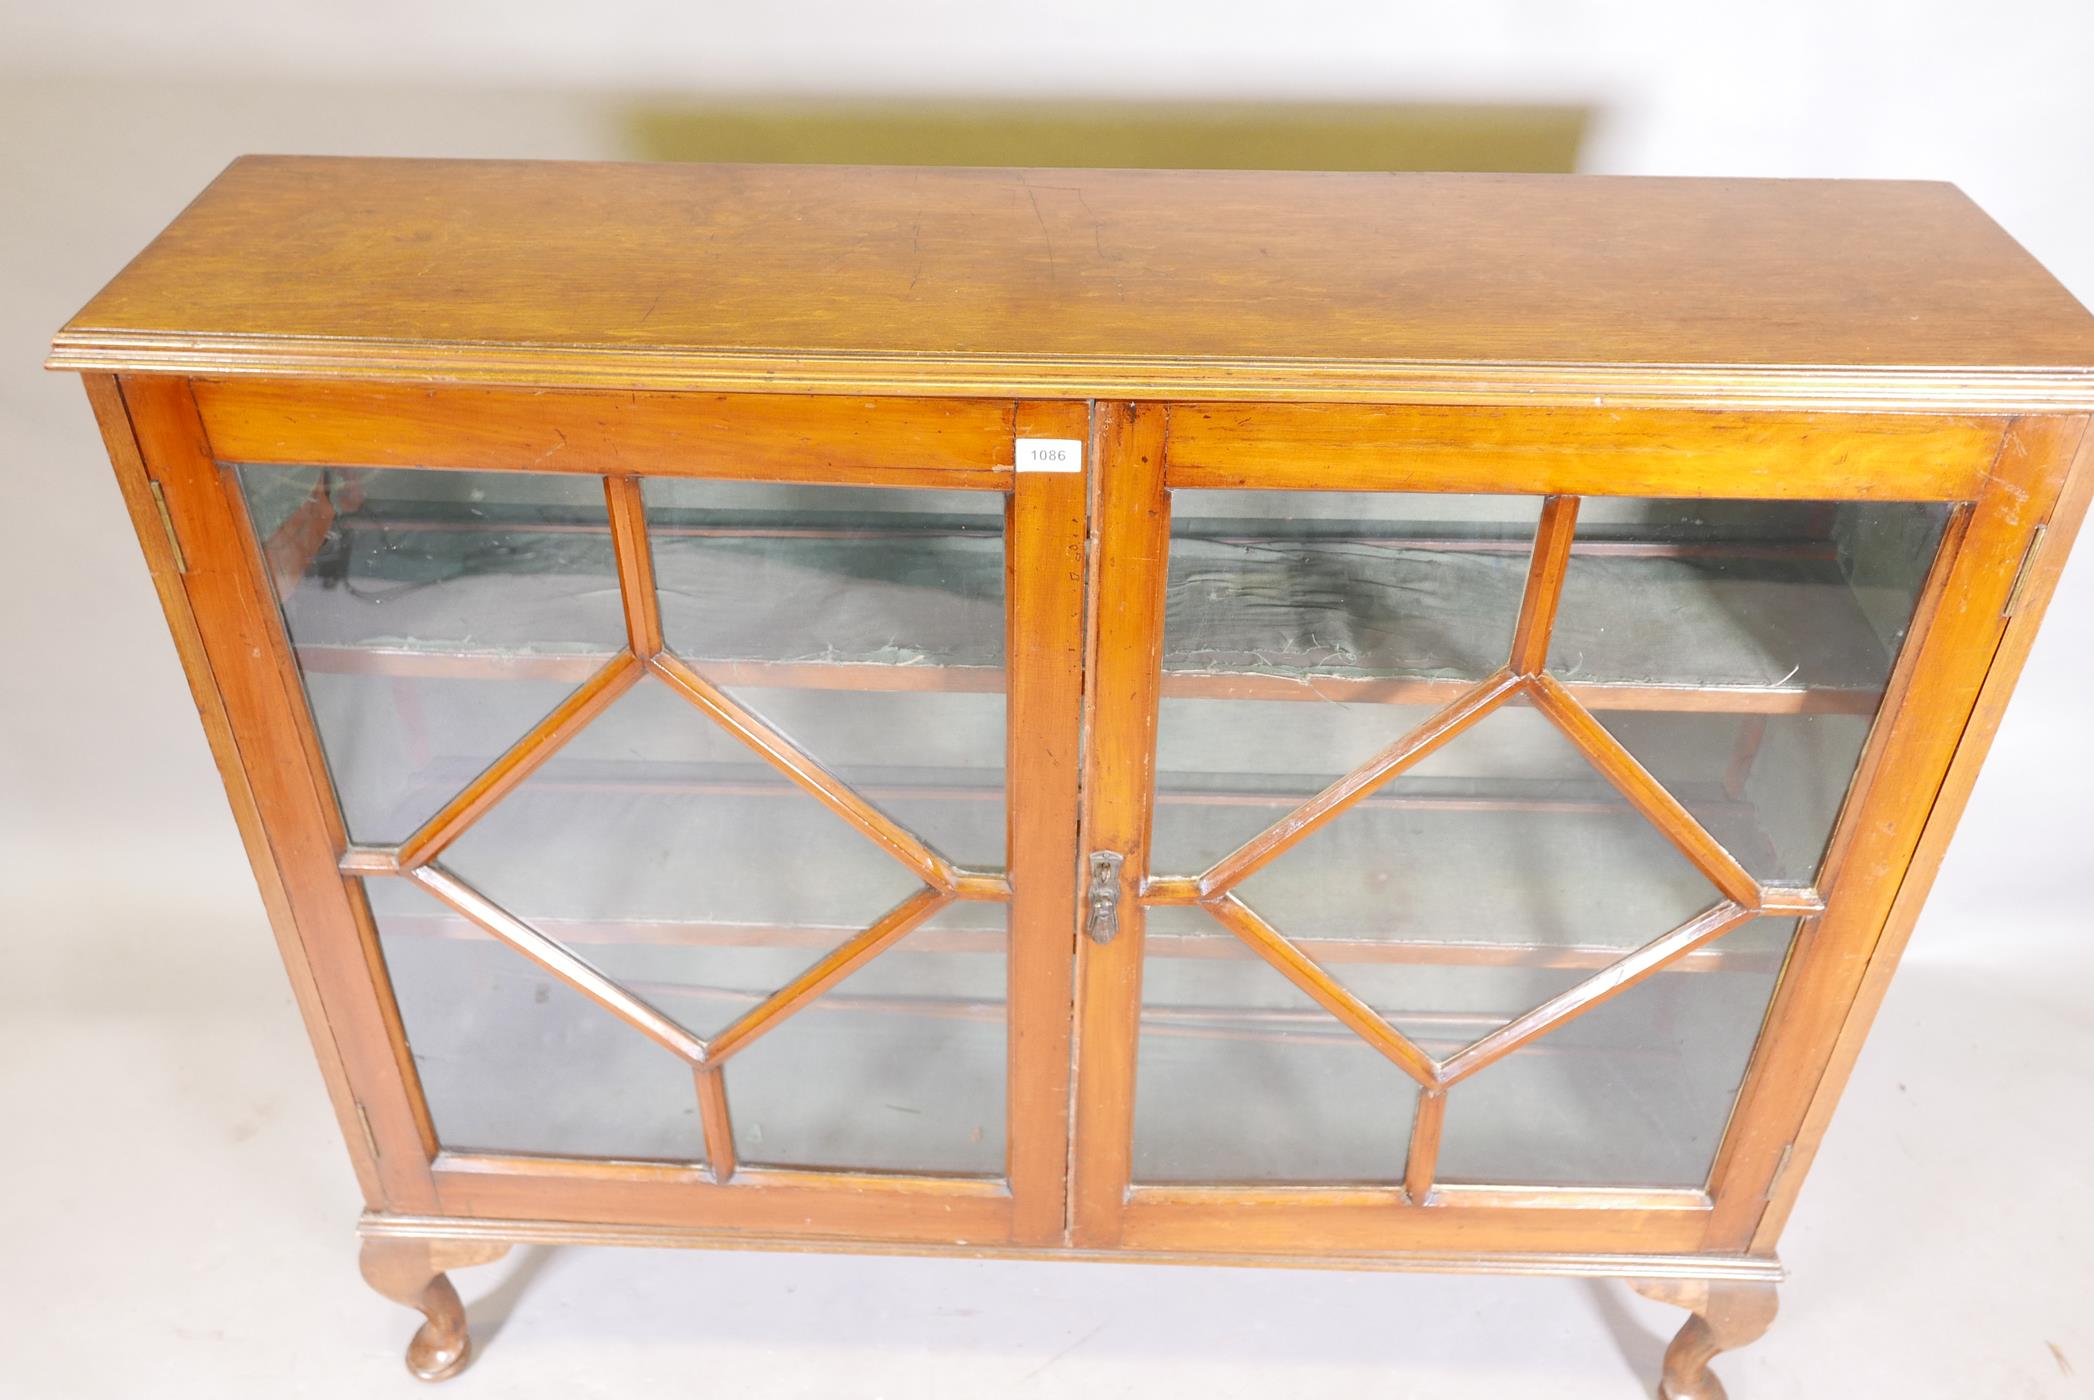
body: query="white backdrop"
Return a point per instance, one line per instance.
(1993, 96)
(142, 1005)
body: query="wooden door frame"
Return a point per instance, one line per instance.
(171, 440)
(2009, 471)
(1927, 716)
(161, 433)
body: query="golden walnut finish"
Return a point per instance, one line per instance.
(1580, 341)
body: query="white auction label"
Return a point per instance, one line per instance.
(1050, 455)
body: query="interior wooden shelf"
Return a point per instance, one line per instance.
(1754, 630)
(1611, 880)
(1441, 1031)
(582, 933)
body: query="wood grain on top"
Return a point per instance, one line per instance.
(1107, 283)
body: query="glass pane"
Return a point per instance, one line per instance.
(436, 615)
(1739, 649)
(1492, 875)
(1376, 609)
(1293, 584)
(398, 747)
(677, 861)
(1227, 769)
(439, 615)
(1240, 1077)
(1783, 596)
(1635, 1092)
(1387, 604)
(865, 624)
(1769, 787)
(931, 760)
(1506, 836)
(1786, 617)
(899, 1067)
(512, 1060)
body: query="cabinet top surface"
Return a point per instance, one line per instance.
(1096, 283)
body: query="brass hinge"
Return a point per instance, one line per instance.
(1781, 1169)
(363, 1120)
(167, 524)
(2021, 575)
(1103, 920)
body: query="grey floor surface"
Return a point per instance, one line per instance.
(177, 1206)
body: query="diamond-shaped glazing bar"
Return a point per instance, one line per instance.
(1306, 973)
(1652, 957)
(776, 750)
(1546, 571)
(1644, 792)
(1474, 703)
(576, 972)
(840, 963)
(523, 758)
(643, 621)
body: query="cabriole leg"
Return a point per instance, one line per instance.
(1726, 1315)
(411, 1272)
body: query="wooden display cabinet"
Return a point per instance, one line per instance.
(1365, 721)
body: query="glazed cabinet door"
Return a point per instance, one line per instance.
(1473, 779)
(701, 777)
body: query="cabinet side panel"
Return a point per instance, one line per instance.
(1879, 834)
(2012, 654)
(115, 422)
(313, 908)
